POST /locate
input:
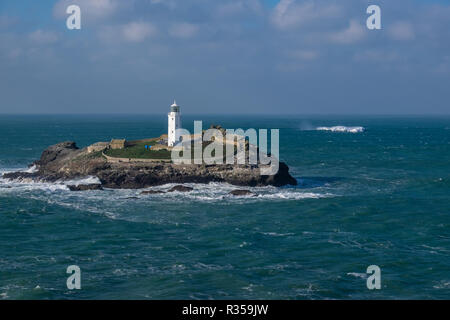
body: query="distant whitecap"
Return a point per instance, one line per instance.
(341, 129)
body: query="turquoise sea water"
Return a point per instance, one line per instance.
(377, 197)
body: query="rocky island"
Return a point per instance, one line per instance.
(65, 161)
(137, 164)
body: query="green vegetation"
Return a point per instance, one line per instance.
(137, 150)
(93, 155)
(213, 153)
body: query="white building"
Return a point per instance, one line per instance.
(174, 124)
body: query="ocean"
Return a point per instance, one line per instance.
(372, 191)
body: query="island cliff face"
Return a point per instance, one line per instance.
(65, 161)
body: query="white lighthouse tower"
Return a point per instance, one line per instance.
(174, 124)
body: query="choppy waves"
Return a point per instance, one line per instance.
(214, 192)
(116, 202)
(29, 184)
(211, 192)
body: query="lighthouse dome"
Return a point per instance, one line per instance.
(174, 107)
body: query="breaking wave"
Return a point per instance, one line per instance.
(357, 275)
(28, 184)
(341, 129)
(211, 192)
(83, 181)
(31, 169)
(134, 205)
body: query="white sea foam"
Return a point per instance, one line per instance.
(341, 129)
(116, 203)
(211, 192)
(83, 181)
(220, 191)
(357, 275)
(25, 185)
(31, 169)
(28, 184)
(442, 285)
(6, 170)
(275, 234)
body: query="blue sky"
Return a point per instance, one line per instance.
(227, 56)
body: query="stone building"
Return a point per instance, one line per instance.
(118, 144)
(99, 146)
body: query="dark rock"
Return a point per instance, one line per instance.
(85, 187)
(242, 193)
(281, 178)
(180, 188)
(152, 192)
(56, 151)
(19, 175)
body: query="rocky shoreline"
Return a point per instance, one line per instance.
(65, 161)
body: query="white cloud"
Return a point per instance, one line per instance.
(444, 66)
(353, 33)
(307, 55)
(231, 8)
(15, 53)
(183, 30)
(6, 21)
(239, 7)
(169, 3)
(90, 9)
(289, 14)
(43, 37)
(130, 32)
(402, 30)
(138, 31)
(377, 55)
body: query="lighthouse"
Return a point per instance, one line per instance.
(174, 124)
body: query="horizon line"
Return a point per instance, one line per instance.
(229, 114)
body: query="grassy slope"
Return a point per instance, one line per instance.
(138, 151)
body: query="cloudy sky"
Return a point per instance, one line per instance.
(225, 56)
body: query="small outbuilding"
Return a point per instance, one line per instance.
(99, 146)
(118, 144)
